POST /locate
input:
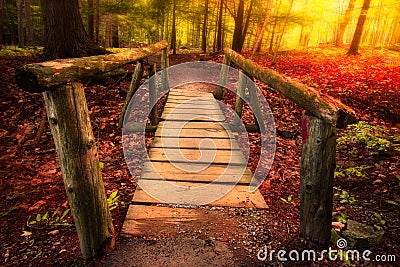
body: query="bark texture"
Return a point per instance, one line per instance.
(318, 162)
(65, 35)
(76, 147)
(40, 77)
(355, 43)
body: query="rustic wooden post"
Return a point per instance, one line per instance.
(255, 105)
(76, 147)
(137, 76)
(317, 168)
(240, 95)
(153, 95)
(222, 78)
(164, 67)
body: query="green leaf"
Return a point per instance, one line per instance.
(38, 217)
(101, 164)
(45, 216)
(392, 202)
(334, 236)
(64, 214)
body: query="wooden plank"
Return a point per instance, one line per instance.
(197, 133)
(194, 125)
(188, 117)
(193, 112)
(213, 170)
(238, 196)
(206, 156)
(220, 143)
(159, 221)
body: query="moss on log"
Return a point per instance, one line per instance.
(321, 105)
(40, 77)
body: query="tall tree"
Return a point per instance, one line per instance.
(355, 43)
(97, 22)
(285, 22)
(64, 33)
(1, 22)
(238, 31)
(204, 32)
(90, 20)
(21, 20)
(262, 28)
(173, 30)
(219, 27)
(246, 25)
(28, 22)
(345, 21)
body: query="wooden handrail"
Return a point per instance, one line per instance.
(40, 77)
(321, 105)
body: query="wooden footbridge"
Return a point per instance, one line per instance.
(175, 140)
(61, 84)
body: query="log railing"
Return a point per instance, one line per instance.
(323, 115)
(61, 83)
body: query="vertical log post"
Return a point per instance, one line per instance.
(222, 78)
(164, 67)
(255, 105)
(76, 147)
(317, 167)
(137, 76)
(240, 96)
(153, 95)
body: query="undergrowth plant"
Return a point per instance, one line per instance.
(50, 221)
(372, 137)
(344, 196)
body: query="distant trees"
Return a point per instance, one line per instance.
(355, 43)
(345, 21)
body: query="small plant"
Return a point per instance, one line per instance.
(289, 200)
(344, 196)
(357, 171)
(379, 221)
(112, 200)
(11, 209)
(46, 221)
(342, 217)
(373, 137)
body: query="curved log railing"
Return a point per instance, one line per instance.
(318, 161)
(61, 84)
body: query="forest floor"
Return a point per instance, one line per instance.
(367, 180)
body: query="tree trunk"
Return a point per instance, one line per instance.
(28, 22)
(115, 32)
(343, 24)
(90, 20)
(1, 23)
(355, 43)
(173, 31)
(107, 33)
(76, 147)
(278, 44)
(65, 35)
(97, 22)
(204, 33)
(246, 26)
(237, 32)
(261, 31)
(318, 164)
(219, 30)
(21, 19)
